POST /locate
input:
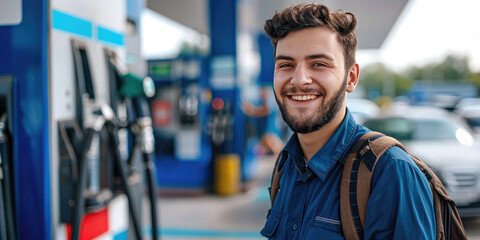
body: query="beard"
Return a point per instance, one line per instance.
(325, 113)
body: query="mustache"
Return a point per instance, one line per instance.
(309, 90)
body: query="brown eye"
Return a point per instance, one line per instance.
(284, 65)
(319, 64)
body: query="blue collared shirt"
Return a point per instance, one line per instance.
(308, 203)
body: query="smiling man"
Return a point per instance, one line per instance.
(315, 68)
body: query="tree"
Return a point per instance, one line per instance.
(452, 68)
(378, 81)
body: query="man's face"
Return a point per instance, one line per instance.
(310, 79)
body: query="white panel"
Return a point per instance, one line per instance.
(63, 85)
(118, 215)
(106, 13)
(115, 17)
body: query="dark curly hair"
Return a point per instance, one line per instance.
(301, 16)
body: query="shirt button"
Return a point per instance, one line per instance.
(294, 226)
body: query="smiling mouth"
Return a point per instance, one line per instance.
(303, 97)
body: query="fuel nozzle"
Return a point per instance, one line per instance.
(132, 85)
(144, 124)
(135, 86)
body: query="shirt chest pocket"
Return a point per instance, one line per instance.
(326, 228)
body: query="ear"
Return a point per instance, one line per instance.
(352, 77)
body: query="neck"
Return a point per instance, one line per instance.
(312, 142)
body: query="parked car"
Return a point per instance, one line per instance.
(445, 143)
(465, 102)
(362, 109)
(471, 114)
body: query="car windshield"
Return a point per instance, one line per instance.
(415, 129)
(473, 121)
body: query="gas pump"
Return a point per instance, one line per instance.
(97, 118)
(224, 78)
(61, 166)
(87, 194)
(179, 112)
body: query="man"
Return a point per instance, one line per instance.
(315, 67)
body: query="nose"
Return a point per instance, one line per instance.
(300, 76)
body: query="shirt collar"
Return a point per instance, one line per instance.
(333, 150)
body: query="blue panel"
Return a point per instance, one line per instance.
(71, 24)
(109, 36)
(121, 236)
(187, 175)
(267, 64)
(26, 48)
(223, 27)
(223, 42)
(5, 52)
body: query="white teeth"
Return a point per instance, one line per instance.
(304, 97)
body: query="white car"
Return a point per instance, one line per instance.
(445, 143)
(465, 102)
(362, 109)
(471, 114)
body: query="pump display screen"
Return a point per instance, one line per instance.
(161, 71)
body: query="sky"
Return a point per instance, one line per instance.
(426, 32)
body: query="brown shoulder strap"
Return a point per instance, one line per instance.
(356, 181)
(277, 173)
(448, 222)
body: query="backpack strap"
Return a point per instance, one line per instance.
(448, 222)
(355, 187)
(277, 173)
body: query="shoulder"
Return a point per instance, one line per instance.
(397, 166)
(396, 154)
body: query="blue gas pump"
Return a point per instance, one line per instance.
(223, 77)
(45, 133)
(23, 47)
(179, 113)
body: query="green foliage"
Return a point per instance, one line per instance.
(378, 80)
(452, 68)
(475, 79)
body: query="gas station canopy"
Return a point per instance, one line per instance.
(375, 17)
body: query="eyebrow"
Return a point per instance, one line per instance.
(321, 55)
(283, 57)
(309, 57)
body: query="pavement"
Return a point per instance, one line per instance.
(210, 216)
